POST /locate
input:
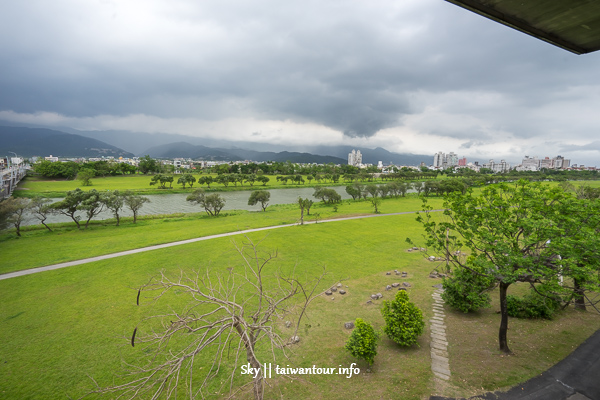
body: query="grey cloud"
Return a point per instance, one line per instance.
(351, 66)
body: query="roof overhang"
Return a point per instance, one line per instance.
(573, 25)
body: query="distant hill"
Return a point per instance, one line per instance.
(187, 150)
(29, 142)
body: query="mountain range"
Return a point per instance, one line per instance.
(40, 141)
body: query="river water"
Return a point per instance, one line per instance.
(176, 203)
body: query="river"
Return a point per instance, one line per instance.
(176, 203)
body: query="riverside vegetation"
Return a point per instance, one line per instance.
(62, 327)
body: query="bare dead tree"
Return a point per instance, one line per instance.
(227, 316)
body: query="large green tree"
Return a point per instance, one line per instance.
(260, 196)
(212, 203)
(520, 232)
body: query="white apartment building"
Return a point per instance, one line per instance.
(355, 158)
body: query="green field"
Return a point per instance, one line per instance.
(59, 328)
(38, 186)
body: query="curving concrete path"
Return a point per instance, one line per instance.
(178, 243)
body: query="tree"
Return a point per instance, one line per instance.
(522, 232)
(403, 320)
(305, 205)
(264, 179)
(362, 343)
(134, 202)
(85, 175)
(467, 291)
(229, 316)
(373, 190)
(353, 191)
(69, 206)
(327, 195)
(12, 212)
(186, 179)
(40, 208)
(114, 201)
(147, 164)
(259, 196)
(206, 180)
(375, 202)
(92, 204)
(212, 203)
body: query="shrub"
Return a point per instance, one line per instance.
(467, 291)
(403, 320)
(363, 341)
(533, 304)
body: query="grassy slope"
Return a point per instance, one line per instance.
(67, 244)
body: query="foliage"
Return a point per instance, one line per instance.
(515, 233)
(362, 343)
(212, 203)
(12, 212)
(305, 205)
(403, 320)
(327, 195)
(467, 290)
(259, 196)
(85, 175)
(538, 303)
(48, 169)
(135, 203)
(186, 179)
(114, 201)
(70, 205)
(162, 180)
(147, 164)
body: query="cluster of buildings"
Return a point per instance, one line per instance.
(442, 161)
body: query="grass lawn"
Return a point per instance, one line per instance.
(39, 186)
(61, 327)
(67, 243)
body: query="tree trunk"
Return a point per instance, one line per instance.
(249, 340)
(579, 298)
(503, 342)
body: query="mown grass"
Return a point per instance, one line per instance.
(33, 186)
(38, 247)
(59, 327)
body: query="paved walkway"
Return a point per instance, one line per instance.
(439, 344)
(178, 243)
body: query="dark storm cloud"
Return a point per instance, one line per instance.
(356, 67)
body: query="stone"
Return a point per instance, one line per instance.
(433, 276)
(288, 324)
(339, 285)
(438, 286)
(328, 293)
(409, 250)
(342, 291)
(388, 287)
(379, 295)
(369, 302)
(333, 289)
(401, 288)
(349, 325)
(415, 248)
(332, 298)
(431, 258)
(397, 273)
(442, 275)
(395, 284)
(295, 339)
(388, 273)
(374, 296)
(406, 284)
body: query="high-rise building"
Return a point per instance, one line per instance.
(355, 158)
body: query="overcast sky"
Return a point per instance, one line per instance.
(412, 76)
